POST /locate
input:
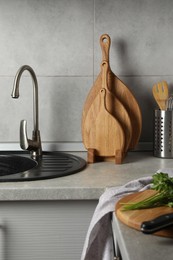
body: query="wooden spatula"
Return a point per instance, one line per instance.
(161, 93)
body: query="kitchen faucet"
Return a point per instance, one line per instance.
(34, 145)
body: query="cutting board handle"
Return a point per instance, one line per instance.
(104, 70)
(105, 42)
(103, 98)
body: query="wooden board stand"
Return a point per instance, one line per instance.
(92, 157)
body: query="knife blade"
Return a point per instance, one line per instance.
(157, 224)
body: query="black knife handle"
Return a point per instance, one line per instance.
(156, 224)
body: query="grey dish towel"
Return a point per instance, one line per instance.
(99, 239)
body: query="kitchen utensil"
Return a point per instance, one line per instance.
(161, 93)
(118, 88)
(157, 224)
(134, 218)
(169, 103)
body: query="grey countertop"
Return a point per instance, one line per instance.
(135, 245)
(88, 184)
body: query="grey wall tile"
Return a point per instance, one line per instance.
(141, 33)
(141, 48)
(55, 36)
(141, 87)
(61, 107)
(61, 101)
(60, 40)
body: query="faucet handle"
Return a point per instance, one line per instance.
(28, 144)
(24, 143)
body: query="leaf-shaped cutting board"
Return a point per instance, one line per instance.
(113, 106)
(118, 88)
(109, 136)
(134, 218)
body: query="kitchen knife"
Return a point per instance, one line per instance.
(157, 224)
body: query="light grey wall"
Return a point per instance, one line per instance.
(60, 40)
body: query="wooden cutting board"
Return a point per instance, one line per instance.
(104, 134)
(119, 90)
(122, 92)
(115, 108)
(134, 218)
(109, 133)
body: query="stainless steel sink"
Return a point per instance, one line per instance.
(18, 166)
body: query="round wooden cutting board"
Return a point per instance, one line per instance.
(134, 218)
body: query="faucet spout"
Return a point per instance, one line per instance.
(33, 145)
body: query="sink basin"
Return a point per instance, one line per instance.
(10, 164)
(18, 166)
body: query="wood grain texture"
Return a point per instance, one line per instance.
(122, 95)
(134, 218)
(121, 91)
(161, 94)
(109, 133)
(114, 107)
(104, 132)
(118, 88)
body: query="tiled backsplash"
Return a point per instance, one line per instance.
(59, 39)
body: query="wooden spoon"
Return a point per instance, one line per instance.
(161, 93)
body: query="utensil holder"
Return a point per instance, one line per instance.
(163, 133)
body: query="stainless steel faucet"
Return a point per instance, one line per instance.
(34, 145)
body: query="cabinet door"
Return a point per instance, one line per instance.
(49, 230)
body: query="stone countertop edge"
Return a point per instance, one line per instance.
(88, 184)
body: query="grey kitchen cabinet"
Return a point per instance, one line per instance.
(44, 230)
